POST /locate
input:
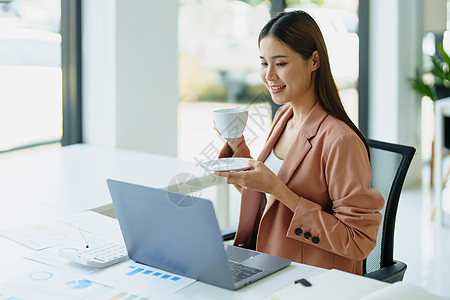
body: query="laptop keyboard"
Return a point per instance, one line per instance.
(240, 272)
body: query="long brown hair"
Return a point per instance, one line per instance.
(298, 30)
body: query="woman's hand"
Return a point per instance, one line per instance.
(258, 177)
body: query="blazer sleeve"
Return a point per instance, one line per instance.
(350, 229)
(242, 151)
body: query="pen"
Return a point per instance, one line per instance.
(81, 236)
(303, 281)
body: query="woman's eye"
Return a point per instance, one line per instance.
(281, 64)
(263, 64)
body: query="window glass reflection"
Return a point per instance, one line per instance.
(219, 64)
(30, 73)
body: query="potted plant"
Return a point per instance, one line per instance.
(435, 83)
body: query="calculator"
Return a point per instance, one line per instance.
(99, 254)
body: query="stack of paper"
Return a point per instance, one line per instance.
(49, 276)
(56, 232)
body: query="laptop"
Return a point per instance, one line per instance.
(179, 233)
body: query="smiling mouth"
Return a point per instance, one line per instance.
(277, 88)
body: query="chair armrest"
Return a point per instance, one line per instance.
(390, 274)
(228, 233)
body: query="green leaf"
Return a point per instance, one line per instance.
(441, 65)
(440, 70)
(445, 57)
(419, 86)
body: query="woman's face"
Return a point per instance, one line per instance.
(285, 73)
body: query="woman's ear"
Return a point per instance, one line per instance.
(315, 60)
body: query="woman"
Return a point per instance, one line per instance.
(314, 169)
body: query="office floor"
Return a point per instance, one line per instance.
(421, 243)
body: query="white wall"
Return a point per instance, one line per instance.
(396, 32)
(98, 67)
(383, 68)
(130, 74)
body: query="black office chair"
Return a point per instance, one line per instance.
(389, 164)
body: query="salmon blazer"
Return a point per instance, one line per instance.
(336, 221)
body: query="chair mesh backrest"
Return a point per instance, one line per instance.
(389, 164)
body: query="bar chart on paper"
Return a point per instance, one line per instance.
(134, 270)
(139, 278)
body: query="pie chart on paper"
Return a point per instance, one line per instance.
(78, 284)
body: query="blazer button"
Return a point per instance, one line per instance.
(298, 231)
(307, 235)
(315, 240)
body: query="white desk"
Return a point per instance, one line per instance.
(262, 289)
(16, 277)
(441, 109)
(73, 178)
(47, 184)
(21, 212)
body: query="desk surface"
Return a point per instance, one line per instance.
(13, 261)
(73, 178)
(261, 289)
(48, 184)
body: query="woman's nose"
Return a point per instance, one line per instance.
(270, 74)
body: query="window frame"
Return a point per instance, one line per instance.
(71, 65)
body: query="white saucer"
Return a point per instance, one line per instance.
(227, 164)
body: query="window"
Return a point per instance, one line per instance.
(218, 68)
(218, 65)
(30, 73)
(338, 21)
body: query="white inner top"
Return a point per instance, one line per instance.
(274, 164)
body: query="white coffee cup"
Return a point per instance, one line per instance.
(231, 121)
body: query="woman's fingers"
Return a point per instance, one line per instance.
(221, 173)
(253, 163)
(259, 177)
(215, 127)
(230, 177)
(251, 178)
